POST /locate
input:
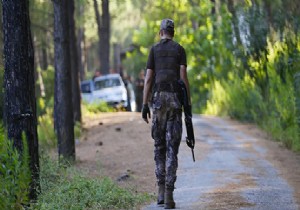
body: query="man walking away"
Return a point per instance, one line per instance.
(165, 66)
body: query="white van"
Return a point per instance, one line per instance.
(87, 89)
(111, 89)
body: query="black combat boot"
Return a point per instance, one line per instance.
(169, 201)
(161, 194)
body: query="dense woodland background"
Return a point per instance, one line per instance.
(243, 56)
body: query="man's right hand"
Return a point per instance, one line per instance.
(146, 113)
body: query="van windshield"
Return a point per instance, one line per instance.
(107, 83)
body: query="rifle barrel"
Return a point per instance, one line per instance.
(193, 155)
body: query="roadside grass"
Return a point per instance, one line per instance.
(242, 100)
(63, 187)
(95, 108)
(68, 188)
(14, 174)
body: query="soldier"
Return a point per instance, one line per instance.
(165, 66)
(139, 87)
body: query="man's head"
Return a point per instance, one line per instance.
(167, 27)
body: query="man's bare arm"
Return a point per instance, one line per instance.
(147, 85)
(184, 78)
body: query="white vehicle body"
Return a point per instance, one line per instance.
(87, 88)
(111, 89)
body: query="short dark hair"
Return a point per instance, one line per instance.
(167, 32)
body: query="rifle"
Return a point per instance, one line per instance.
(190, 139)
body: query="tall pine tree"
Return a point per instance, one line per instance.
(63, 108)
(19, 83)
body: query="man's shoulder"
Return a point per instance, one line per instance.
(171, 42)
(179, 45)
(156, 44)
(176, 44)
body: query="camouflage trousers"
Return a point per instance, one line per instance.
(166, 132)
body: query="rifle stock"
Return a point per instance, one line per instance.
(190, 139)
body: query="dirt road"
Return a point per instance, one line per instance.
(236, 166)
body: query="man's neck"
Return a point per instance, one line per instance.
(166, 37)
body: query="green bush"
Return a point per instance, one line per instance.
(245, 100)
(96, 107)
(66, 188)
(47, 82)
(1, 91)
(280, 121)
(241, 99)
(77, 130)
(46, 133)
(236, 98)
(14, 175)
(217, 103)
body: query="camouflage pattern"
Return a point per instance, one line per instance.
(166, 132)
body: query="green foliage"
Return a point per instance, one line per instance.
(77, 130)
(242, 99)
(1, 90)
(66, 188)
(242, 57)
(236, 98)
(14, 175)
(236, 67)
(96, 107)
(297, 101)
(47, 81)
(46, 134)
(280, 121)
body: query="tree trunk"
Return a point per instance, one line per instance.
(81, 53)
(117, 58)
(103, 33)
(63, 109)
(44, 59)
(213, 9)
(81, 44)
(74, 64)
(104, 38)
(195, 23)
(98, 21)
(234, 20)
(1, 36)
(235, 24)
(19, 82)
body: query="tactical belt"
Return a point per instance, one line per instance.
(167, 66)
(167, 87)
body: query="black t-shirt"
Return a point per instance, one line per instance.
(182, 55)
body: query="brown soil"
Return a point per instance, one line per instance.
(119, 145)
